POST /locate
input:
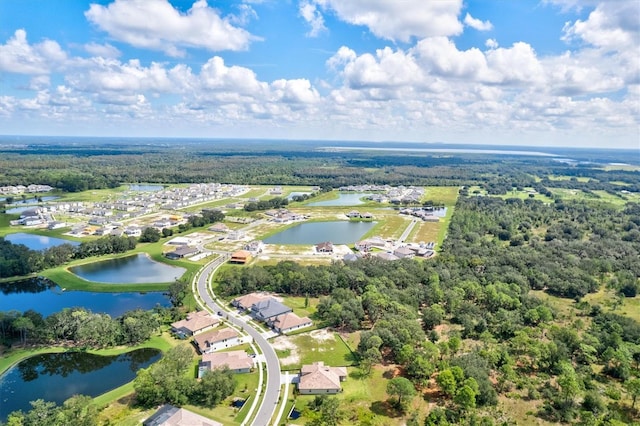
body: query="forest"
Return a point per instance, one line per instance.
(501, 337)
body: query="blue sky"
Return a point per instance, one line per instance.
(530, 72)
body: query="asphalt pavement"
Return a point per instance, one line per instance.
(272, 391)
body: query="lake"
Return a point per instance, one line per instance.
(57, 377)
(344, 199)
(338, 232)
(134, 269)
(46, 297)
(147, 188)
(37, 242)
(17, 199)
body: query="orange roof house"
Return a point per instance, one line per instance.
(240, 256)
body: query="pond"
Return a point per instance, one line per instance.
(134, 269)
(17, 200)
(37, 242)
(46, 297)
(57, 377)
(344, 199)
(145, 187)
(337, 232)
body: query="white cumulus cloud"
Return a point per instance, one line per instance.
(18, 56)
(310, 13)
(477, 23)
(399, 20)
(157, 25)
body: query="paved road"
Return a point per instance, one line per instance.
(272, 391)
(407, 231)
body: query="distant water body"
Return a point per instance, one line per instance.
(444, 150)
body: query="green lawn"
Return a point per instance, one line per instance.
(363, 400)
(331, 350)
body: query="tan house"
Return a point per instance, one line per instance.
(289, 322)
(168, 415)
(236, 361)
(326, 247)
(245, 302)
(318, 378)
(196, 322)
(214, 340)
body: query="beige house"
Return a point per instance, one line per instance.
(289, 322)
(214, 340)
(168, 415)
(236, 361)
(196, 322)
(318, 378)
(245, 302)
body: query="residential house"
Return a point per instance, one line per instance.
(195, 323)
(214, 340)
(254, 246)
(240, 256)
(56, 225)
(386, 256)
(267, 309)
(219, 227)
(245, 302)
(168, 415)
(318, 378)
(236, 361)
(353, 214)
(179, 241)
(289, 322)
(182, 252)
(403, 252)
(326, 247)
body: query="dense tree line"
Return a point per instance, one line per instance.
(273, 203)
(496, 253)
(18, 259)
(82, 167)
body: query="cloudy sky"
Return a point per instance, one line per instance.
(531, 72)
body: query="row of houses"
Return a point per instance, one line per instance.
(355, 214)
(272, 312)
(21, 189)
(284, 216)
(427, 214)
(208, 339)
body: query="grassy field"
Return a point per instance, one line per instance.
(319, 345)
(436, 231)
(364, 400)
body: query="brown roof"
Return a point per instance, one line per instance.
(249, 299)
(195, 321)
(290, 320)
(319, 376)
(240, 256)
(235, 360)
(214, 336)
(326, 246)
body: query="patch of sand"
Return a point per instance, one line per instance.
(322, 335)
(284, 343)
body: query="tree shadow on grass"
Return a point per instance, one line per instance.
(383, 408)
(359, 374)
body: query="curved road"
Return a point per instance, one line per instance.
(272, 391)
